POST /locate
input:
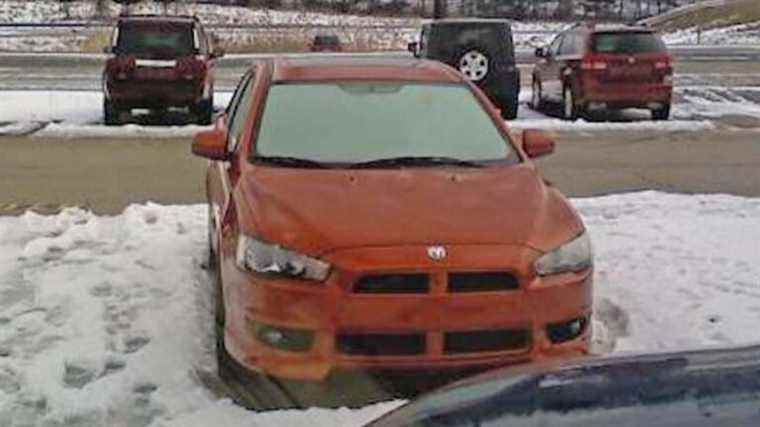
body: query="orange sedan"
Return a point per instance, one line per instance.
(375, 214)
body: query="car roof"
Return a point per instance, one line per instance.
(159, 18)
(331, 68)
(610, 28)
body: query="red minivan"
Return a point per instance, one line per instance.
(591, 69)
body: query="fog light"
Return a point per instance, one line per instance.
(567, 331)
(283, 338)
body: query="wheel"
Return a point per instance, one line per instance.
(536, 99)
(110, 114)
(509, 110)
(662, 113)
(475, 64)
(204, 111)
(570, 110)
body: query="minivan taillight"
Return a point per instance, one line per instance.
(190, 68)
(121, 67)
(593, 63)
(663, 65)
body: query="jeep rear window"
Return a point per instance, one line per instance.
(159, 39)
(353, 122)
(627, 43)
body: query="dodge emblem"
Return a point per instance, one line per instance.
(437, 253)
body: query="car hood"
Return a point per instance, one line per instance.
(318, 211)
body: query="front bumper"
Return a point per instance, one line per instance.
(446, 325)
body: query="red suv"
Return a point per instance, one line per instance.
(591, 69)
(396, 227)
(159, 62)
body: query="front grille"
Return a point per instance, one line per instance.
(393, 284)
(381, 344)
(482, 282)
(485, 341)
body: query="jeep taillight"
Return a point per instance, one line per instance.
(121, 67)
(593, 63)
(190, 68)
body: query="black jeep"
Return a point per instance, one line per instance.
(482, 50)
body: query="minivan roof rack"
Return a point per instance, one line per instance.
(155, 15)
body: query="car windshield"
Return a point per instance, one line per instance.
(363, 122)
(627, 43)
(168, 39)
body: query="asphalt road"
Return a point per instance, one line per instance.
(106, 176)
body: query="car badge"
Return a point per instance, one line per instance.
(437, 253)
(631, 60)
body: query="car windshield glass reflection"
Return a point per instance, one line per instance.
(378, 121)
(147, 40)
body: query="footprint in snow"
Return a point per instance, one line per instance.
(135, 343)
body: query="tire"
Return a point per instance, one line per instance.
(536, 99)
(509, 111)
(570, 110)
(204, 111)
(662, 113)
(111, 114)
(475, 63)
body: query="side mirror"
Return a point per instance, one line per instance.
(413, 48)
(540, 52)
(537, 144)
(212, 144)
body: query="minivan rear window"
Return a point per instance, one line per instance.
(627, 43)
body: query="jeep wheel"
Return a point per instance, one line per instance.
(536, 99)
(110, 114)
(662, 113)
(570, 110)
(474, 64)
(509, 109)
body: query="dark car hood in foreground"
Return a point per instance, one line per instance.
(691, 389)
(317, 211)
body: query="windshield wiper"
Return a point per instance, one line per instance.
(293, 162)
(415, 161)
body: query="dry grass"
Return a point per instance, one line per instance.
(96, 42)
(733, 13)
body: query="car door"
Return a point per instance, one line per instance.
(223, 175)
(551, 85)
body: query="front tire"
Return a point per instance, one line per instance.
(536, 99)
(570, 110)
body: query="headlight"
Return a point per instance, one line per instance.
(576, 255)
(257, 256)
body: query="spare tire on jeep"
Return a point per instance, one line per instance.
(482, 50)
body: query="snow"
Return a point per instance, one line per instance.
(107, 320)
(745, 34)
(78, 114)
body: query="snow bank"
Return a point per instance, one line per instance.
(78, 114)
(745, 34)
(108, 320)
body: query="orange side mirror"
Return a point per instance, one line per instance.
(212, 144)
(537, 143)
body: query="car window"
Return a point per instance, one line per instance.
(627, 43)
(554, 47)
(164, 39)
(369, 121)
(238, 110)
(569, 45)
